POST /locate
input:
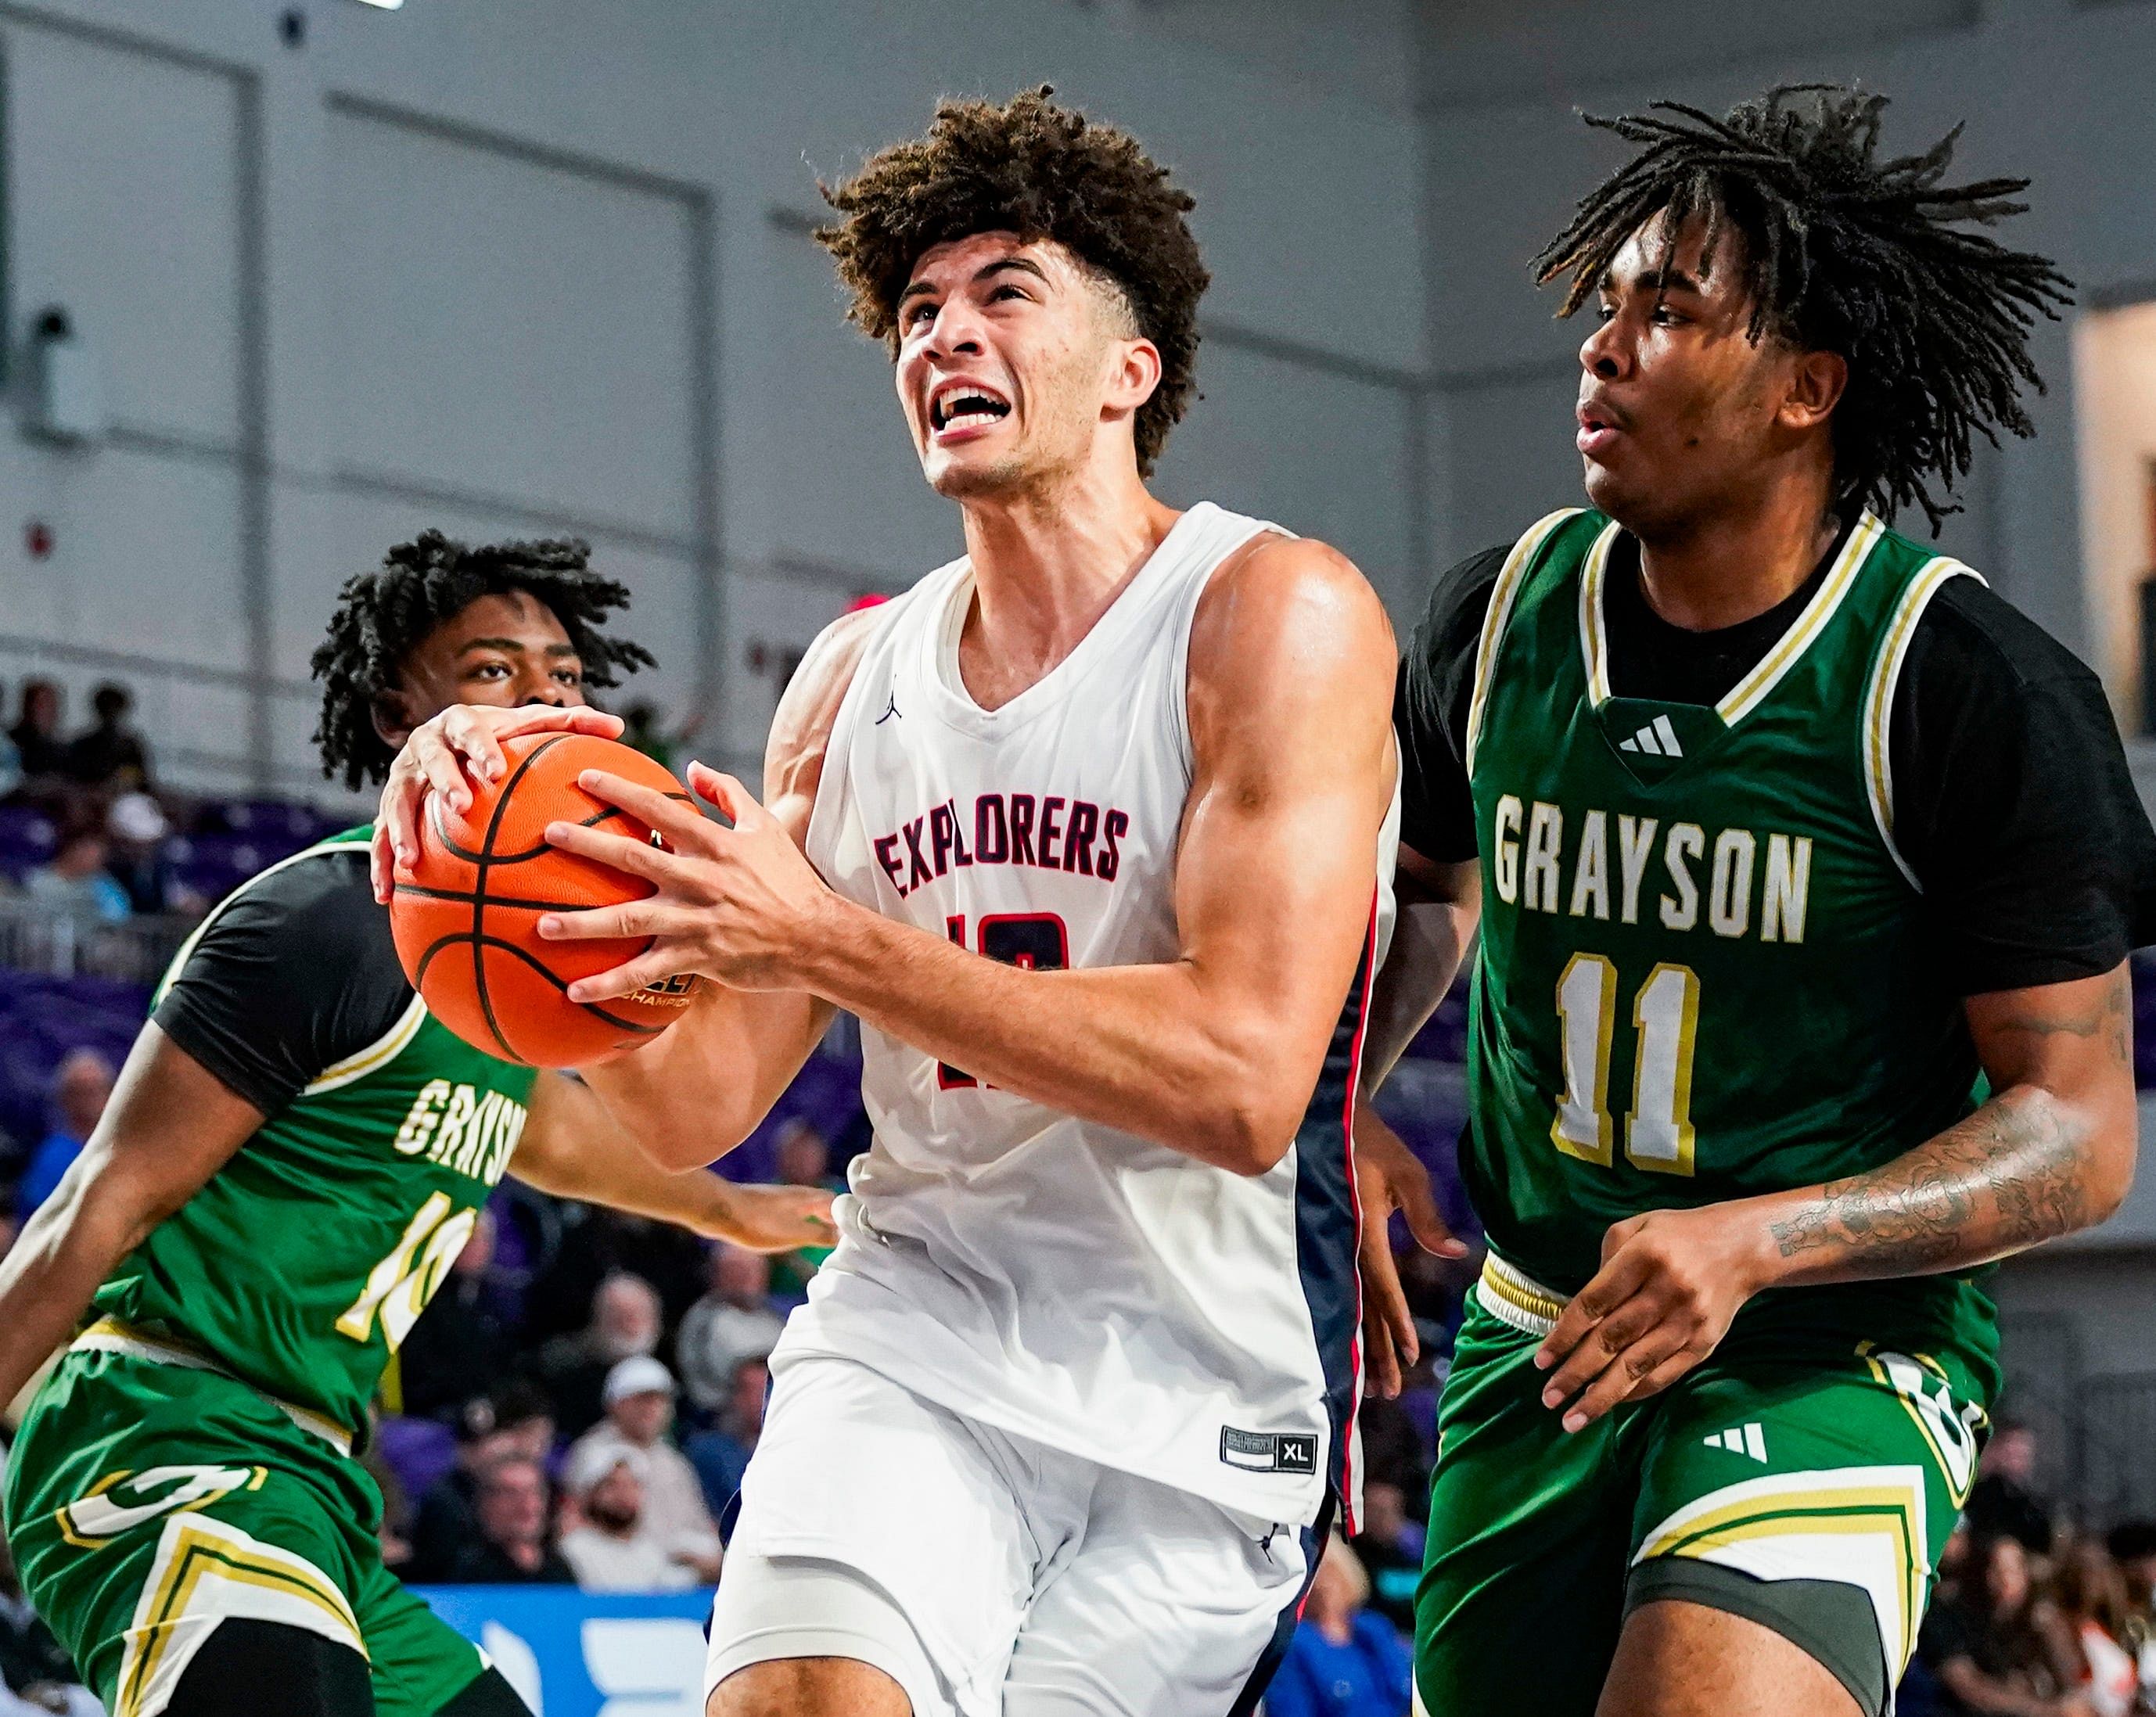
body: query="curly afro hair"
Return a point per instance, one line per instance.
(1042, 171)
(383, 615)
(1847, 252)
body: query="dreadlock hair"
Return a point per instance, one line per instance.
(1030, 168)
(383, 615)
(1845, 252)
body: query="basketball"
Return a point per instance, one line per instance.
(466, 914)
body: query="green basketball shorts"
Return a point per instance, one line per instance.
(1810, 1491)
(150, 1497)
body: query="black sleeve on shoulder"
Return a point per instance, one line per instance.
(2012, 802)
(1429, 711)
(292, 976)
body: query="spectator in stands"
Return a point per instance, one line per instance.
(36, 733)
(81, 1087)
(732, 1322)
(639, 1411)
(2090, 1595)
(1343, 1660)
(463, 1344)
(2132, 1546)
(138, 859)
(75, 882)
(110, 753)
(514, 1422)
(1997, 1645)
(510, 1547)
(721, 1454)
(1390, 1549)
(612, 1549)
(2005, 1499)
(598, 1243)
(624, 1322)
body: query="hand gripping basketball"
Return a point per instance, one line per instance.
(741, 905)
(464, 909)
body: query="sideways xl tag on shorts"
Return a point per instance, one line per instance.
(1269, 1451)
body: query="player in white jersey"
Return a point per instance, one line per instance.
(1093, 830)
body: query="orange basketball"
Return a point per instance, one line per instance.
(466, 914)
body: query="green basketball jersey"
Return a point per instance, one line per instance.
(1701, 975)
(304, 1261)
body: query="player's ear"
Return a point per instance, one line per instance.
(1135, 375)
(1817, 382)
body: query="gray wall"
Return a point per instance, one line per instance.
(2050, 89)
(515, 270)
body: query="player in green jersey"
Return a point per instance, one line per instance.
(1805, 870)
(295, 1153)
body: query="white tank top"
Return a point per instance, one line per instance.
(1053, 1278)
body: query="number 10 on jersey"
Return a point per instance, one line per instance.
(1658, 1131)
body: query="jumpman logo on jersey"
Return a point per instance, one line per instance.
(891, 710)
(1657, 738)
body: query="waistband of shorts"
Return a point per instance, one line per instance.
(110, 1336)
(1513, 1297)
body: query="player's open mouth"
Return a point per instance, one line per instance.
(955, 407)
(1596, 432)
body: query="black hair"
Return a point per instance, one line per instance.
(1844, 251)
(383, 615)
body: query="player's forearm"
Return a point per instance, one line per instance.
(688, 1098)
(2028, 1167)
(607, 1168)
(1154, 1050)
(1431, 937)
(65, 1252)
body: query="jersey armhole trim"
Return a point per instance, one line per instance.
(1186, 622)
(335, 844)
(383, 1050)
(1502, 594)
(1878, 751)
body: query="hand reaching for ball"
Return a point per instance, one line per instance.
(741, 905)
(446, 755)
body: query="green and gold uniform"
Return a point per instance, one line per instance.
(1706, 971)
(190, 1459)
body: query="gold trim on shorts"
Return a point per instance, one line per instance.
(1514, 1298)
(110, 1336)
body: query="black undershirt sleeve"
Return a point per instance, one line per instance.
(295, 974)
(2012, 802)
(1435, 687)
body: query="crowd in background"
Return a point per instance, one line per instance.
(108, 862)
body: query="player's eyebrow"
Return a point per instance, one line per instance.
(987, 271)
(514, 644)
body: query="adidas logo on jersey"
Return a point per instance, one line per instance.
(1741, 1439)
(1657, 738)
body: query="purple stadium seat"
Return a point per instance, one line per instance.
(418, 1451)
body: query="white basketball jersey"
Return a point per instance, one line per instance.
(1058, 1280)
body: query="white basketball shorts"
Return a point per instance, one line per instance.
(988, 1574)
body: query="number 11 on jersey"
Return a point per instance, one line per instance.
(1658, 1131)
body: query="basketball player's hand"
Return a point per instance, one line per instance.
(739, 905)
(445, 755)
(1388, 1177)
(777, 1218)
(1670, 1284)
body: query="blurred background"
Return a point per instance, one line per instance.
(282, 284)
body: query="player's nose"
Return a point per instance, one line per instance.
(1604, 352)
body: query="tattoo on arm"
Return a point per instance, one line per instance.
(2007, 1177)
(2012, 1174)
